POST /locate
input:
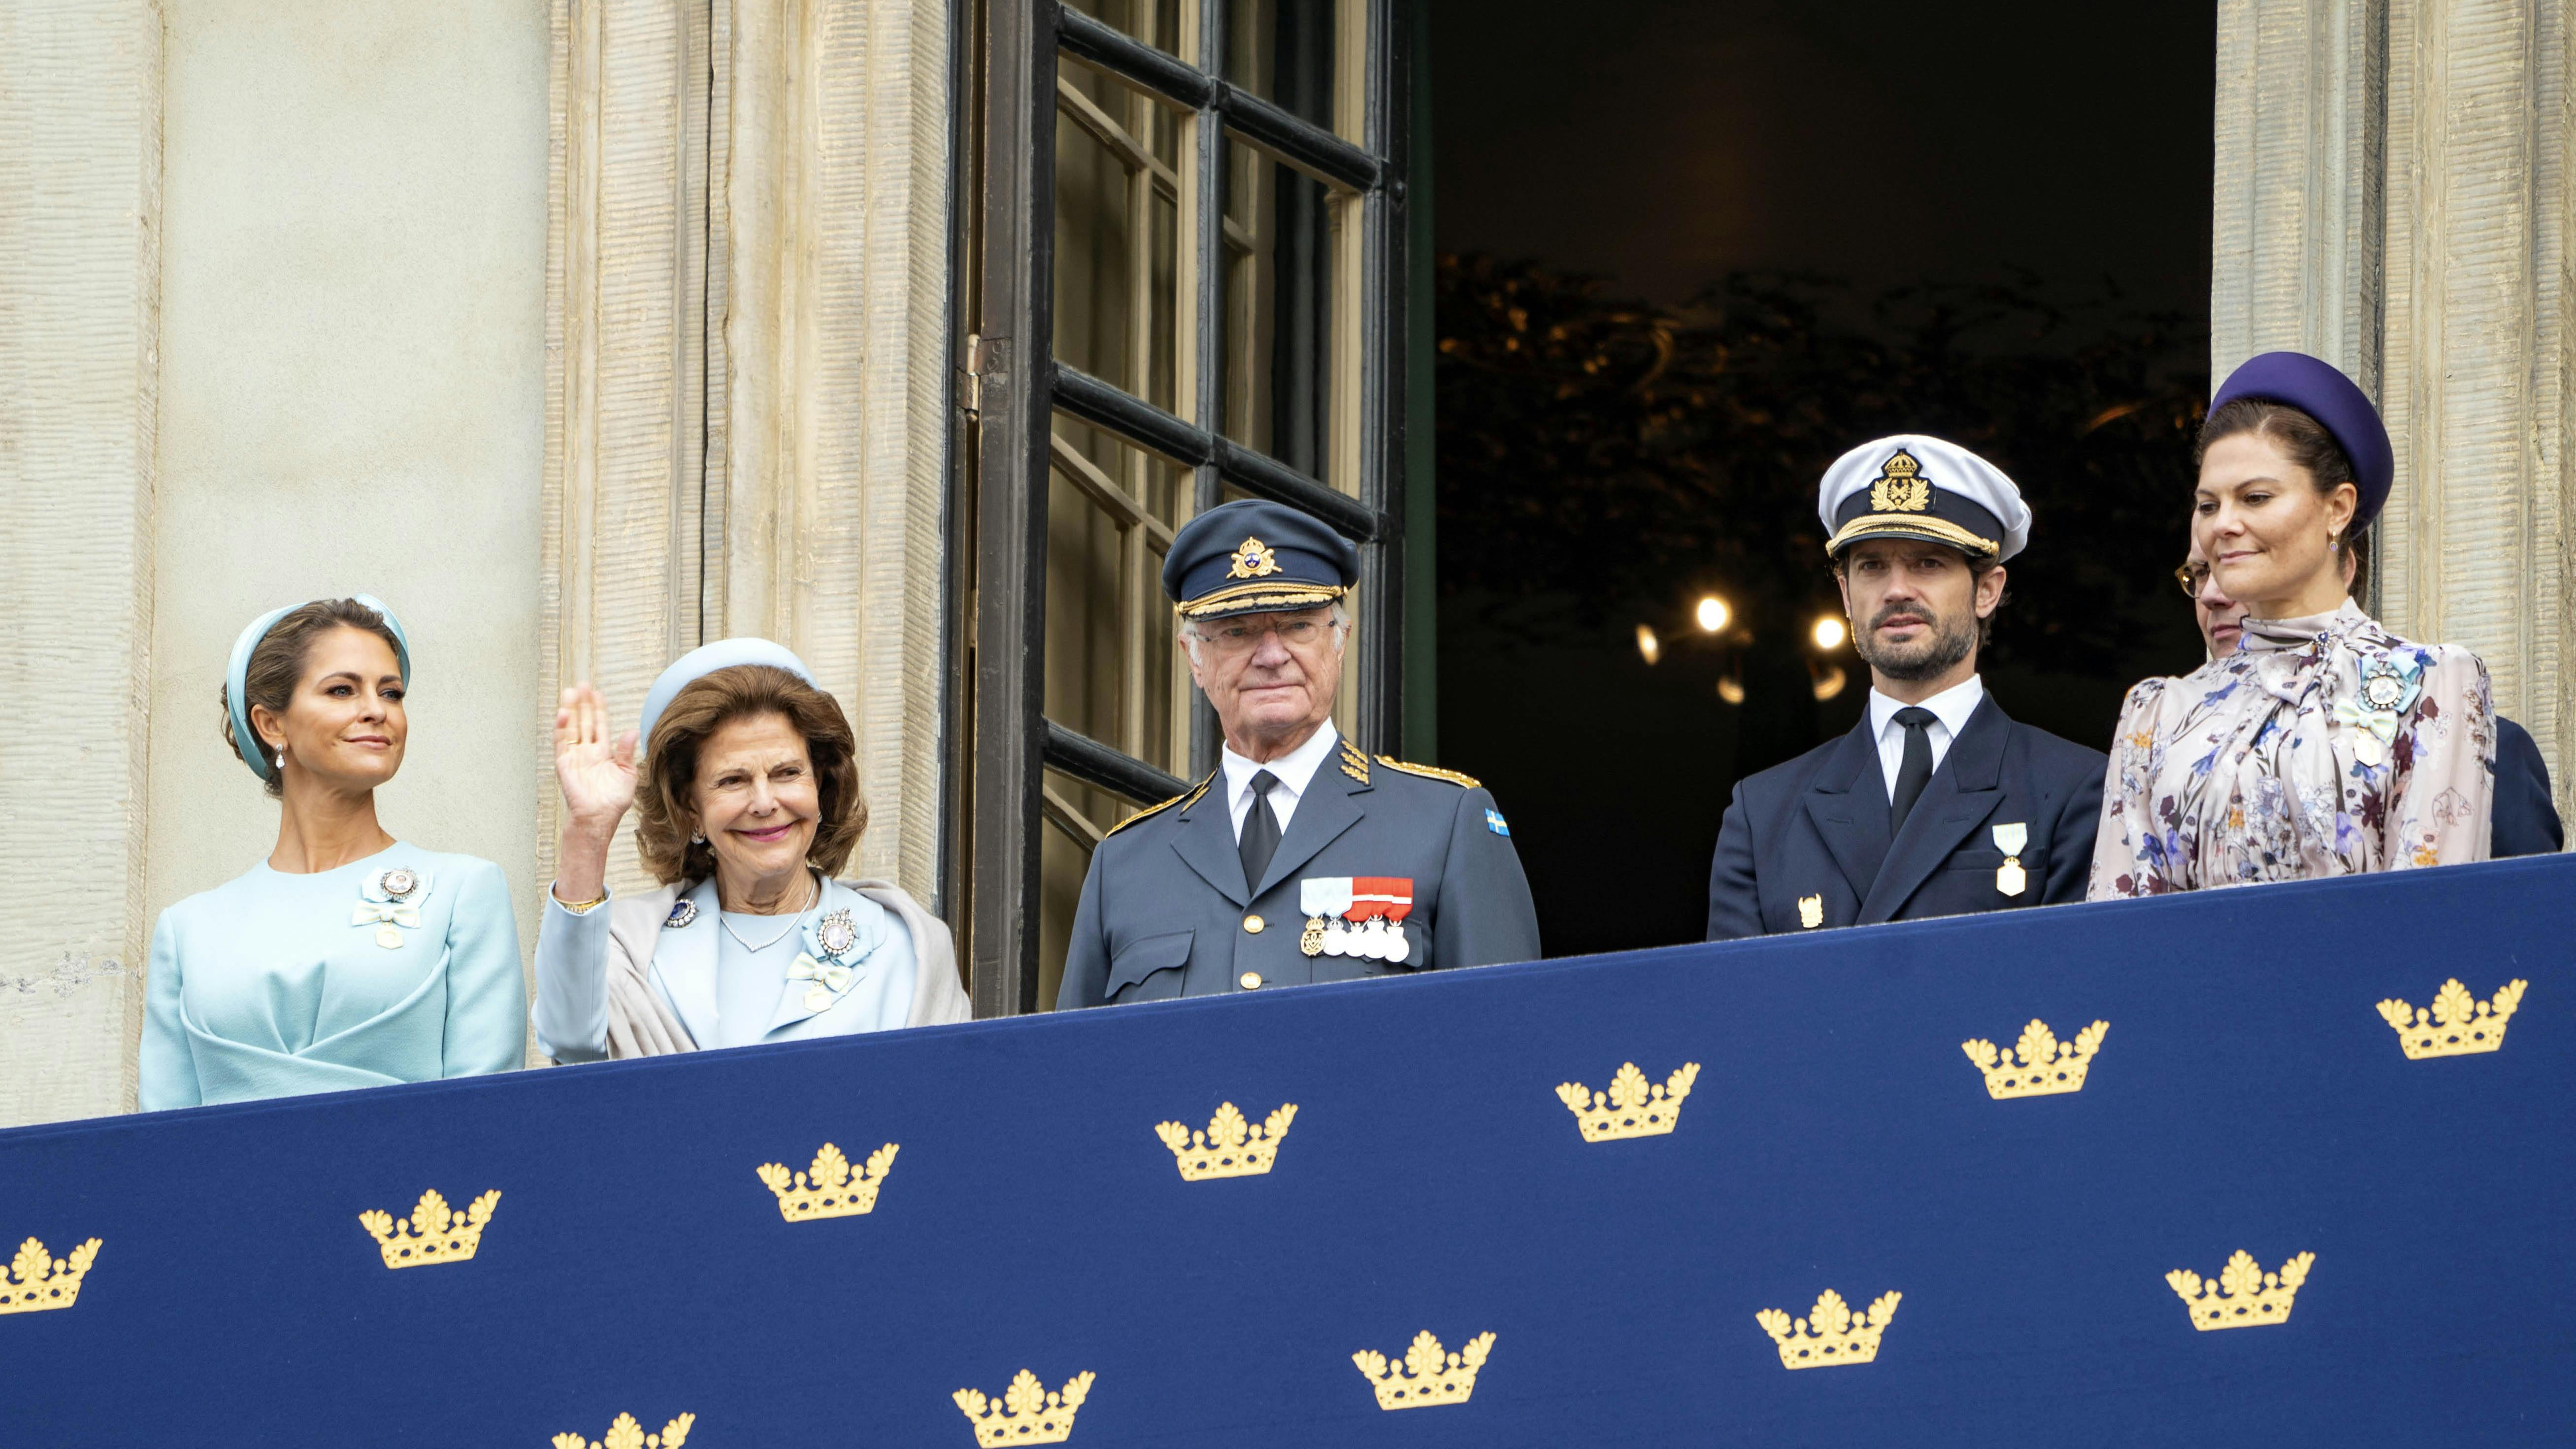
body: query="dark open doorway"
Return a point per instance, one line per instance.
(1691, 250)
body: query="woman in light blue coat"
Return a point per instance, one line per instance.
(347, 958)
(747, 802)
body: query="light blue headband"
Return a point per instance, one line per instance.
(254, 752)
(704, 660)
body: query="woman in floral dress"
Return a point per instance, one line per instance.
(2325, 745)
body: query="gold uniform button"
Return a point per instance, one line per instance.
(1251, 980)
(1252, 925)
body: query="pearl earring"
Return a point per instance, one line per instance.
(281, 759)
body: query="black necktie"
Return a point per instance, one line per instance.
(1915, 770)
(1260, 839)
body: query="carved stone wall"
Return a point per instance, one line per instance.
(2391, 194)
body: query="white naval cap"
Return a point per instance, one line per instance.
(1913, 485)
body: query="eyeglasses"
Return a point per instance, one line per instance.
(2191, 576)
(1236, 637)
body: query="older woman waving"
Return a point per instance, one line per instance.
(747, 801)
(2324, 745)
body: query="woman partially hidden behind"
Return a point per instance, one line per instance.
(748, 801)
(2325, 745)
(347, 958)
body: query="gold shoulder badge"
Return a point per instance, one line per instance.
(1252, 560)
(1432, 772)
(1900, 486)
(1354, 763)
(1183, 799)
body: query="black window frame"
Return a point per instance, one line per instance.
(1011, 52)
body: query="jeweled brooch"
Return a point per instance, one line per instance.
(399, 885)
(682, 912)
(836, 933)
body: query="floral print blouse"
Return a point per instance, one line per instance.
(2323, 746)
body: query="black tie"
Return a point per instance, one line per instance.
(1260, 838)
(1915, 770)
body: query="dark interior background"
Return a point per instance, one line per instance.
(1691, 251)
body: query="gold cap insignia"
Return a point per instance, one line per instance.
(1632, 1107)
(1230, 1147)
(432, 1234)
(1830, 1334)
(36, 1280)
(2038, 1065)
(1027, 1414)
(1252, 560)
(1900, 486)
(2456, 1024)
(829, 1189)
(2244, 1296)
(627, 1434)
(1428, 1375)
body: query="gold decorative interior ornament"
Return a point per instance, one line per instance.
(1830, 1334)
(1230, 1147)
(1027, 1414)
(1428, 1374)
(828, 1189)
(2039, 1065)
(628, 1434)
(2244, 1296)
(1252, 559)
(1632, 1107)
(1900, 486)
(36, 1280)
(432, 1234)
(2457, 1024)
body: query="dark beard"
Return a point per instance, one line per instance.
(1946, 643)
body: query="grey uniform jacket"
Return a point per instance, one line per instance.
(1166, 912)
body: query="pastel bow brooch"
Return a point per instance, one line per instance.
(830, 980)
(397, 913)
(2387, 690)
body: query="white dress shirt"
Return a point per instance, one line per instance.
(1295, 770)
(1950, 710)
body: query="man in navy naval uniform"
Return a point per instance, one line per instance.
(1301, 858)
(1936, 804)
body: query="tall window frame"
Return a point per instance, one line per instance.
(1013, 388)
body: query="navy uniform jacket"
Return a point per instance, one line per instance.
(1165, 910)
(1818, 827)
(2525, 818)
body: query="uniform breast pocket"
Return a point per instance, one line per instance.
(1988, 860)
(1150, 968)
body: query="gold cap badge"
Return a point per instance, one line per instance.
(1252, 560)
(1900, 486)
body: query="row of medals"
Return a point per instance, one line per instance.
(1375, 939)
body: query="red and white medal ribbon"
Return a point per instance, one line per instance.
(1363, 915)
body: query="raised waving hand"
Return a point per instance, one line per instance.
(597, 775)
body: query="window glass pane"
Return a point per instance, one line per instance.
(1111, 669)
(1282, 231)
(1155, 22)
(1282, 51)
(1117, 233)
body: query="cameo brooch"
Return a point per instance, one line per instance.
(836, 933)
(389, 900)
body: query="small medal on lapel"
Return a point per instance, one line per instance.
(1311, 941)
(2009, 877)
(388, 937)
(1811, 911)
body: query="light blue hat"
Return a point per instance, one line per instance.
(253, 752)
(704, 660)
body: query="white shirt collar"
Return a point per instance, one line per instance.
(1294, 770)
(1951, 707)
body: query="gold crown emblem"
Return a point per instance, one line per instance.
(1027, 1414)
(432, 1234)
(36, 1280)
(2456, 1024)
(2038, 1065)
(2244, 1296)
(1252, 559)
(1230, 1147)
(1428, 1375)
(627, 1434)
(1632, 1107)
(1830, 1334)
(829, 1189)
(1900, 486)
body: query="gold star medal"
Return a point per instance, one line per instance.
(2009, 877)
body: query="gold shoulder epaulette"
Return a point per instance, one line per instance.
(1432, 772)
(1184, 798)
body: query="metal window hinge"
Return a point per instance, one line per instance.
(986, 358)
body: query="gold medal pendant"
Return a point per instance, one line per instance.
(2009, 878)
(2012, 839)
(388, 936)
(1311, 941)
(1811, 911)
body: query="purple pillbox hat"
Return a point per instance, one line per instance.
(2320, 390)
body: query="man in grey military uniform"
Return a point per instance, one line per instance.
(1301, 858)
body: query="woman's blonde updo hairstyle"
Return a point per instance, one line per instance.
(664, 798)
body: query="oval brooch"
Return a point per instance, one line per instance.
(836, 933)
(682, 912)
